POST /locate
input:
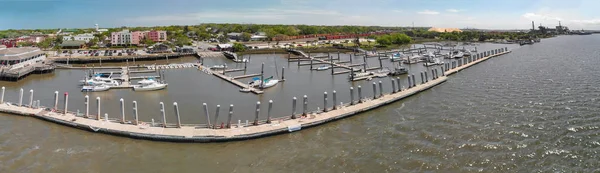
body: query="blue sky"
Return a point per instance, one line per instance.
(505, 14)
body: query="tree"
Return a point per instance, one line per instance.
(182, 40)
(24, 44)
(45, 44)
(72, 38)
(58, 40)
(245, 36)
(93, 42)
(384, 40)
(223, 39)
(146, 41)
(238, 47)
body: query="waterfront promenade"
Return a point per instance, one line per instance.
(177, 131)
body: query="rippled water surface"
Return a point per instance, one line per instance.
(533, 110)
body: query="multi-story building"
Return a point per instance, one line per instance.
(157, 36)
(120, 38)
(138, 36)
(80, 37)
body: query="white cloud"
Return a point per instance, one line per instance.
(429, 12)
(535, 16)
(397, 11)
(453, 10)
(589, 21)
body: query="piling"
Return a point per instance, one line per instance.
(230, 116)
(325, 101)
(282, 75)
(413, 80)
(426, 77)
(21, 97)
(294, 108)
(122, 102)
(409, 82)
(87, 106)
(55, 100)
(205, 106)
(436, 73)
(98, 106)
(269, 111)
(399, 85)
(30, 98)
(422, 78)
(351, 75)
(380, 89)
(443, 72)
(176, 108)
(66, 102)
(162, 112)
(2, 97)
(305, 105)
(359, 94)
(351, 95)
(350, 58)
(136, 119)
(374, 90)
(433, 75)
(334, 99)
(216, 116)
(256, 113)
(365, 62)
(393, 86)
(262, 75)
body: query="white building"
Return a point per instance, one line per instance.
(80, 37)
(14, 58)
(100, 30)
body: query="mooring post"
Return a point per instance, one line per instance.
(176, 108)
(66, 102)
(31, 98)
(334, 99)
(413, 82)
(409, 82)
(380, 64)
(230, 116)
(360, 94)
(282, 74)
(305, 105)
(380, 89)
(365, 62)
(325, 101)
(262, 75)
(426, 77)
(21, 97)
(216, 116)
(294, 108)
(2, 97)
(207, 115)
(56, 100)
(350, 58)
(122, 102)
(136, 119)
(87, 106)
(435, 73)
(98, 106)
(374, 90)
(393, 85)
(351, 95)
(351, 73)
(162, 112)
(269, 111)
(256, 113)
(399, 85)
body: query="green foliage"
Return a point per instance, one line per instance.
(24, 44)
(182, 40)
(245, 36)
(386, 40)
(147, 41)
(45, 44)
(238, 47)
(223, 39)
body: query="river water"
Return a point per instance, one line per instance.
(533, 110)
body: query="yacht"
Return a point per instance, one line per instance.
(436, 61)
(398, 71)
(149, 85)
(95, 88)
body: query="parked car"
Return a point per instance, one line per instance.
(119, 54)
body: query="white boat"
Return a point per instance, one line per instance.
(94, 88)
(149, 85)
(397, 56)
(270, 83)
(458, 55)
(323, 67)
(245, 90)
(219, 66)
(436, 61)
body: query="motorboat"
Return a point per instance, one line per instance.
(458, 55)
(436, 61)
(397, 56)
(359, 74)
(95, 88)
(398, 71)
(219, 66)
(245, 90)
(323, 67)
(149, 85)
(100, 81)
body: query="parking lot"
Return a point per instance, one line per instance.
(111, 52)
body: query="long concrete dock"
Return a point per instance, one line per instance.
(178, 132)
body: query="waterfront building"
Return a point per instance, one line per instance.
(70, 44)
(138, 36)
(120, 38)
(157, 36)
(14, 58)
(80, 37)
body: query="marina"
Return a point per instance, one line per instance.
(300, 117)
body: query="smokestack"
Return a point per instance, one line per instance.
(559, 23)
(532, 25)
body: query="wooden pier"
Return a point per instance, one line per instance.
(234, 81)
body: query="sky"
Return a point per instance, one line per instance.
(482, 14)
